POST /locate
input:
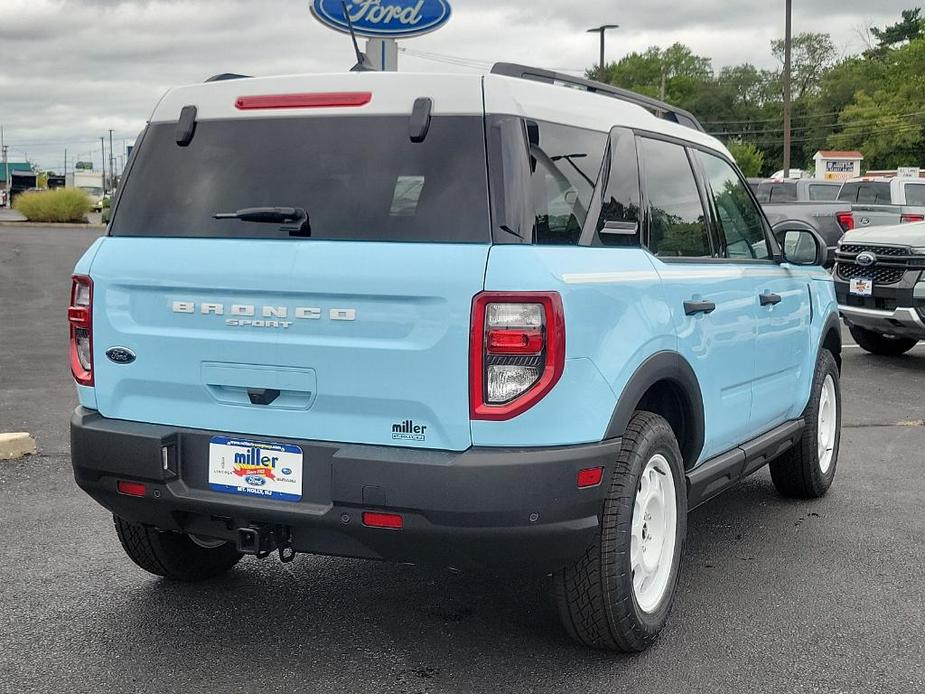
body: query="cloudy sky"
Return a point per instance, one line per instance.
(73, 69)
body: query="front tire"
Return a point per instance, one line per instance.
(174, 555)
(883, 345)
(806, 471)
(619, 594)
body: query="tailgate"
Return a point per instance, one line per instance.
(364, 342)
(876, 215)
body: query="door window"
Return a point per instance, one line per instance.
(677, 224)
(741, 226)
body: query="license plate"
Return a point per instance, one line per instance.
(255, 468)
(861, 287)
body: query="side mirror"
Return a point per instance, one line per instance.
(803, 247)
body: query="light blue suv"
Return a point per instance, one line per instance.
(455, 319)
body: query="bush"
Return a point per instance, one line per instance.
(62, 205)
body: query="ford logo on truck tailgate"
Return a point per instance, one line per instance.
(383, 18)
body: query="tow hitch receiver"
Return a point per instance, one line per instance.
(260, 541)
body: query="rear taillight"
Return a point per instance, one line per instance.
(845, 220)
(912, 218)
(80, 317)
(516, 351)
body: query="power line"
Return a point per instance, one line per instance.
(733, 133)
(909, 127)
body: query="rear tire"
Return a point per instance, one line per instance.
(618, 595)
(884, 345)
(174, 555)
(806, 471)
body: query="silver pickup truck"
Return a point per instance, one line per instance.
(880, 286)
(885, 201)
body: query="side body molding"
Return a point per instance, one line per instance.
(671, 367)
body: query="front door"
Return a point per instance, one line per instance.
(777, 296)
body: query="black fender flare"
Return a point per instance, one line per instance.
(832, 326)
(663, 366)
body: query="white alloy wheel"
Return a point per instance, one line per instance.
(654, 533)
(827, 424)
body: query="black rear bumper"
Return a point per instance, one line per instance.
(482, 507)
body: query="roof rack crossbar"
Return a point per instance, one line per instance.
(659, 108)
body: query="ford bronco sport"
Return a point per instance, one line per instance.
(466, 320)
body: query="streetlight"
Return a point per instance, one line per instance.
(602, 30)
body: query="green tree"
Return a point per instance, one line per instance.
(747, 155)
(811, 55)
(909, 29)
(674, 73)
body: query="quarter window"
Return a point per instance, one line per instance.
(565, 164)
(915, 194)
(741, 226)
(677, 224)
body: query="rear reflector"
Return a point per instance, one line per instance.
(911, 218)
(391, 521)
(590, 477)
(131, 488)
(317, 100)
(515, 341)
(845, 220)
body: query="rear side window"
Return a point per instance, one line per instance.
(915, 194)
(820, 192)
(358, 178)
(565, 163)
(677, 224)
(740, 222)
(783, 192)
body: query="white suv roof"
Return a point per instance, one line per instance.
(393, 93)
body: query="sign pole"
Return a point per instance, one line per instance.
(383, 54)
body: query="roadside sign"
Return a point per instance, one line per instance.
(383, 19)
(908, 172)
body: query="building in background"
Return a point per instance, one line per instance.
(838, 166)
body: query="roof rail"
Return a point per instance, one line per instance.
(227, 76)
(658, 108)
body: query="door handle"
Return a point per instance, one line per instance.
(692, 308)
(769, 299)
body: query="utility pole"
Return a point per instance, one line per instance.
(65, 163)
(6, 166)
(103, 163)
(602, 30)
(788, 44)
(112, 168)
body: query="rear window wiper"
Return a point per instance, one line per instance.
(293, 219)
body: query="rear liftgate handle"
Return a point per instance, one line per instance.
(692, 308)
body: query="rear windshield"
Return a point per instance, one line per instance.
(869, 192)
(358, 178)
(777, 192)
(819, 191)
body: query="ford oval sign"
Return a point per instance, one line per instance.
(383, 19)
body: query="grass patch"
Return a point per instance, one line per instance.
(62, 205)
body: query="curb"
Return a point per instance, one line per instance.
(16, 445)
(51, 225)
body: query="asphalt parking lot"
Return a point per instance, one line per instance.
(775, 596)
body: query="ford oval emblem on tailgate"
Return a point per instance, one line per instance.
(120, 355)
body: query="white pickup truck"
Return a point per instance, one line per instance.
(884, 201)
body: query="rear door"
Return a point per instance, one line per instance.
(711, 303)
(357, 332)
